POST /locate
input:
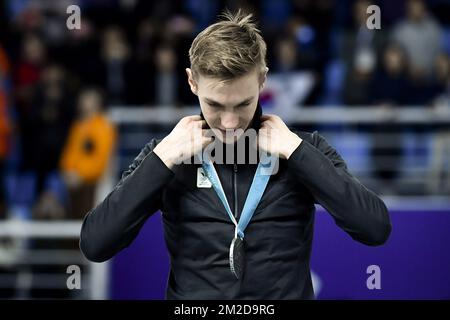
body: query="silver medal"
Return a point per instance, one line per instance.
(237, 257)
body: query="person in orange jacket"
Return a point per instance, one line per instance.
(87, 152)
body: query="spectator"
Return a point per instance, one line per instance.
(306, 38)
(79, 53)
(360, 47)
(356, 90)
(286, 55)
(51, 116)
(87, 152)
(287, 86)
(116, 66)
(166, 80)
(438, 180)
(390, 83)
(440, 80)
(5, 127)
(28, 69)
(420, 36)
(27, 73)
(179, 33)
(389, 90)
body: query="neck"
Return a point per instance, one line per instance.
(255, 124)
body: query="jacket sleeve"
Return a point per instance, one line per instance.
(115, 222)
(355, 209)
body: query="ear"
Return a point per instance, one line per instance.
(262, 78)
(191, 81)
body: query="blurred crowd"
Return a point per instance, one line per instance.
(56, 83)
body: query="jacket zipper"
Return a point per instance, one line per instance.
(235, 190)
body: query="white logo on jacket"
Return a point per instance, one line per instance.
(202, 179)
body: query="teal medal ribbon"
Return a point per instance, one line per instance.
(259, 183)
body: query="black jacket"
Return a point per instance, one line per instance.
(198, 230)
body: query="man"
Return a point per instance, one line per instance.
(214, 255)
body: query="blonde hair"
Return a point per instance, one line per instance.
(229, 48)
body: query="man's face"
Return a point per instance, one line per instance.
(416, 10)
(228, 106)
(89, 103)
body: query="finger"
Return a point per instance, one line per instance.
(192, 118)
(196, 124)
(207, 138)
(208, 132)
(263, 132)
(207, 141)
(272, 118)
(266, 117)
(201, 123)
(268, 124)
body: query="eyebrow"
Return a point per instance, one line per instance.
(211, 101)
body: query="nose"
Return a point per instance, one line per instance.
(229, 120)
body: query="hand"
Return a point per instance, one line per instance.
(185, 140)
(274, 137)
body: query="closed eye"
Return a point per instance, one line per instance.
(215, 104)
